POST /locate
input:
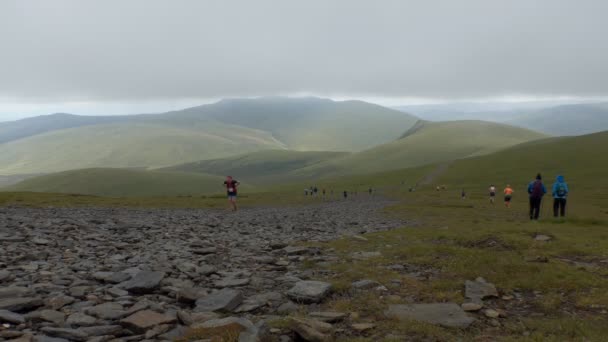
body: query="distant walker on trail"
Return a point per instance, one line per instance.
(231, 185)
(560, 195)
(492, 193)
(536, 190)
(508, 196)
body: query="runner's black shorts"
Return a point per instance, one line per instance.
(507, 198)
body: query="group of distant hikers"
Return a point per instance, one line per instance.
(232, 184)
(314, 190)
(536, 192)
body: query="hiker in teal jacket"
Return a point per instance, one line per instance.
(560, 195)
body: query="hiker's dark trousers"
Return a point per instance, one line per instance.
(559, 207)
(534, 208)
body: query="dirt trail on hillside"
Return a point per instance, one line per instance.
(431, 177)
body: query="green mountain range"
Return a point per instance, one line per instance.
(227, 128)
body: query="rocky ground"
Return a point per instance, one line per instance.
(100, 274)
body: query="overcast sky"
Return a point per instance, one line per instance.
(122, 56)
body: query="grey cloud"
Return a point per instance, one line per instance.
(146, 49)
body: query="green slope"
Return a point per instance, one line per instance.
(573, 119)
(227, 128)
(272, 165)
(128, 145)
(312, 124)
(581, 159)
(123, 182)
(426, 144)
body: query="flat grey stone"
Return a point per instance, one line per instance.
(250, 334)
(108, 310)
(111, 277)
(231, 282)
(51, 316)
(11, 317)
(365, 284)
(445, 314)
(222, 300)
(4, 275)
(69, 334)
(102, 330)
(365, 255)
(190, 294)
(44, 338)
(296, 250)
(14, 291)
(309, 291)
(20, 304)
(479, 290)
(144, 282)
(79, 319)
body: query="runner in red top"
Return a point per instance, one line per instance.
(231, 185)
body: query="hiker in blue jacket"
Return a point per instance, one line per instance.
(536, 190)
(560, 195)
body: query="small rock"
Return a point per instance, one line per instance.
(360, 238)
(365, 284)
(222, 300)
(365, 255)
(4, 275)
(20, 304)
(491, 313)
(311, 330)
(309, 291)
(287, 308)
(471, 306)
(145, 320)
(445, 314)
(361, 327)
(11, 317)
(231, 282)
(70, 334)
(479, 289)
(328, 317)
(296, 250)
(108, 310)
(52, 316)
(80, 320)
(144, 282)
(59, 302)
(190, 294)
(542, 238)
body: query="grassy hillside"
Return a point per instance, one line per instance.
(567, 120)
(581, 159)
(24, 128)
(430, 143)
(259, 166)
(231, 127)
(128, 145)
(123, 182)
(312, 124)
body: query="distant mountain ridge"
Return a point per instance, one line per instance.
(547, 117)
(227, 128)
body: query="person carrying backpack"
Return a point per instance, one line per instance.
(536, 190)
(231, 185)
(560, 195)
